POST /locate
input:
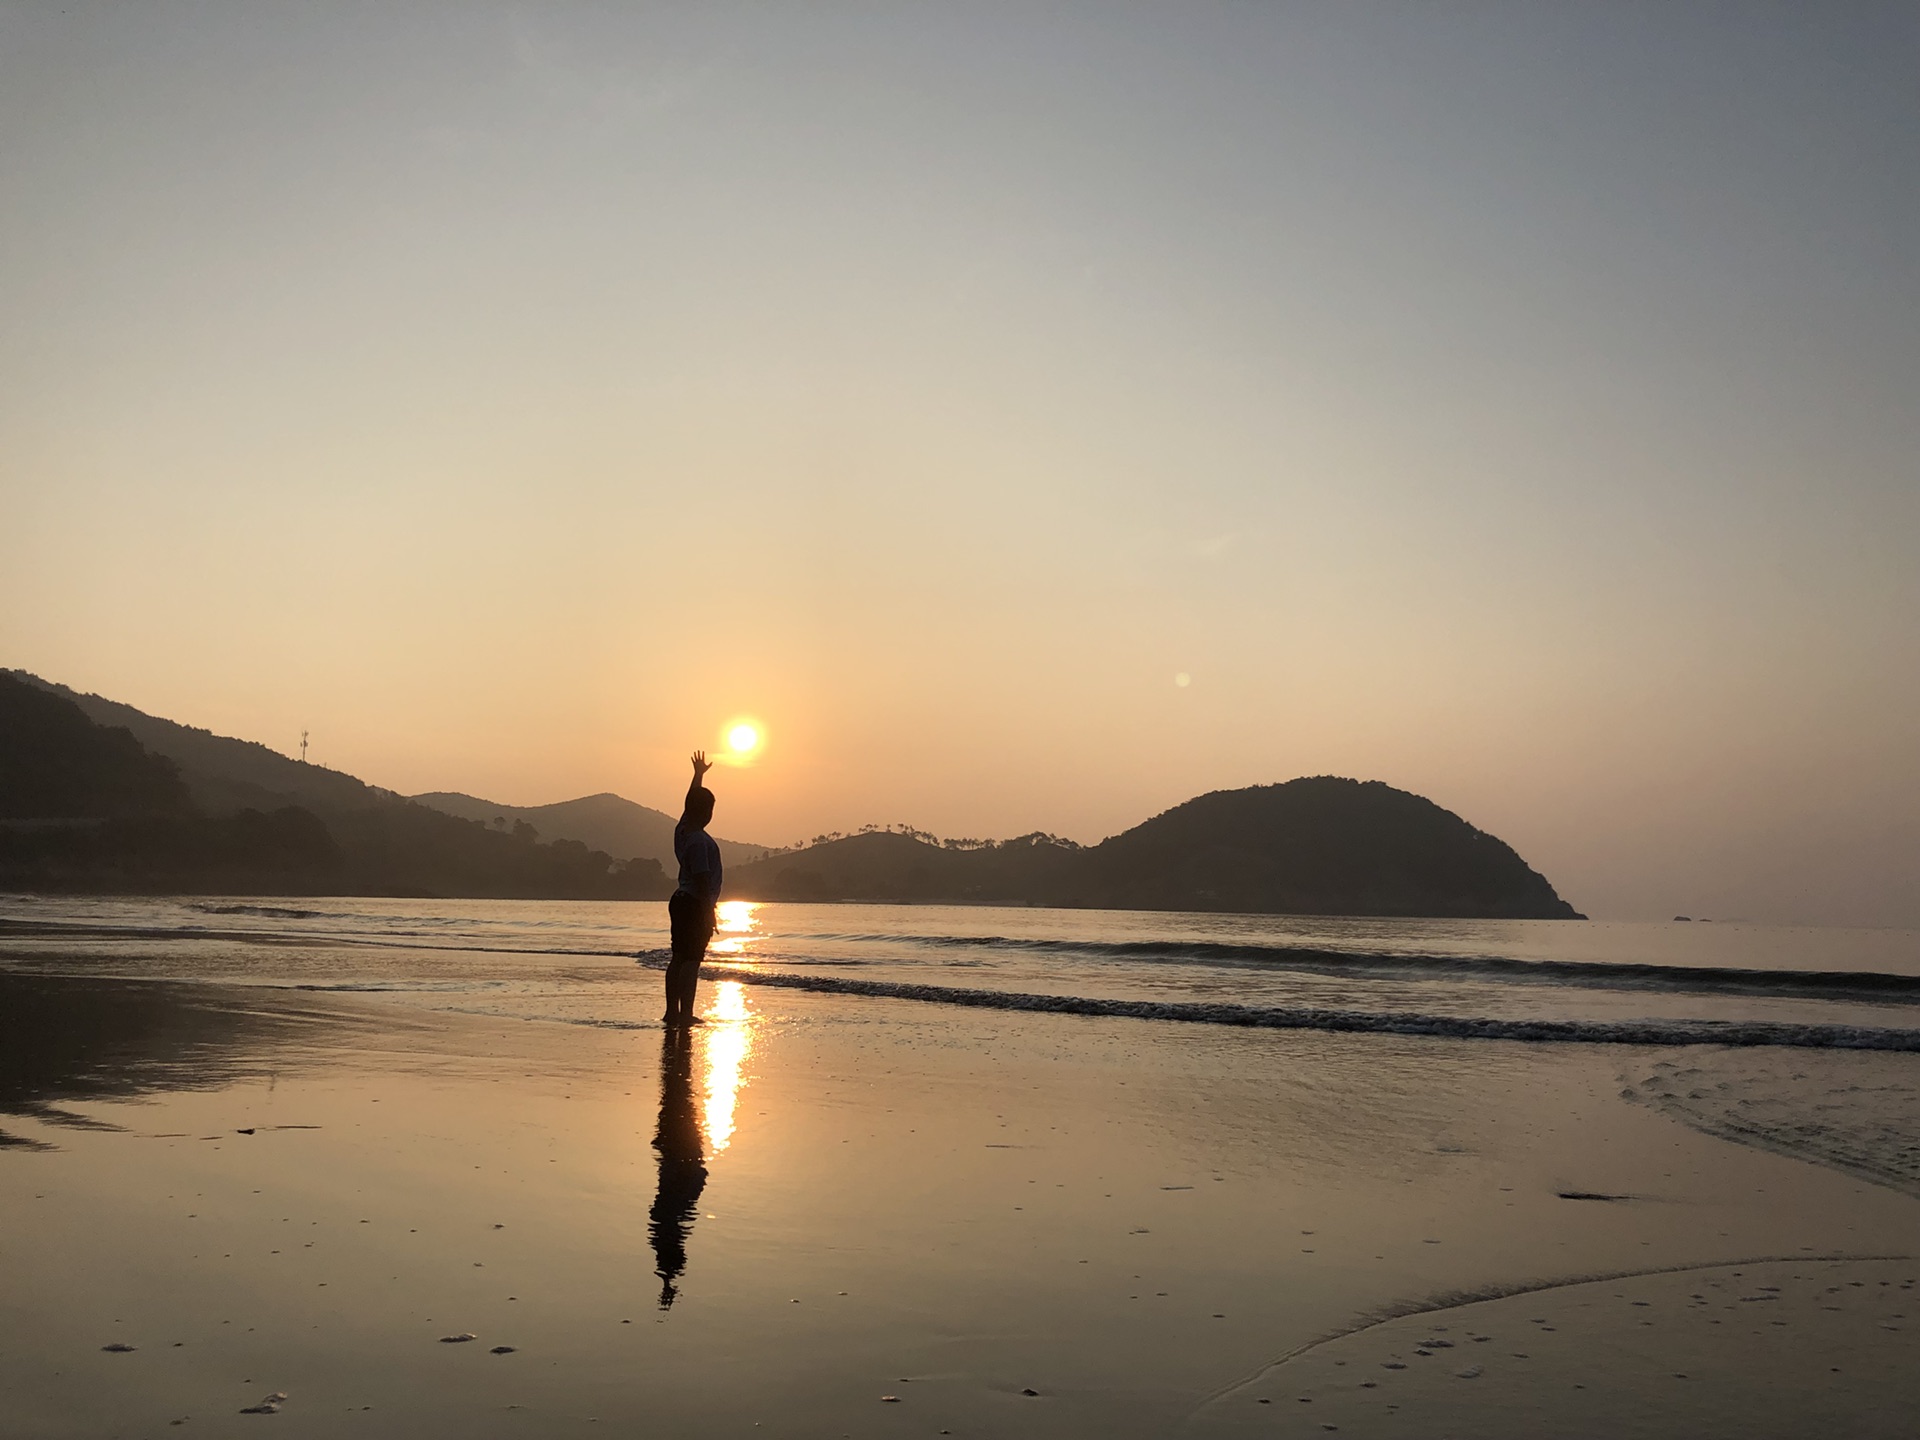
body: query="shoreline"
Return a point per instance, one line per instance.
(947, 1205)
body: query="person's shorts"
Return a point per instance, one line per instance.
(691, 921)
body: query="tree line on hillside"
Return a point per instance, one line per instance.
(86, 807)
(927, 837)
(1321, 845)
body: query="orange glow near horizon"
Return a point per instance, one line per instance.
(1273, 445)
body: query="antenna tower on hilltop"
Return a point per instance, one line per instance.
(303, 747)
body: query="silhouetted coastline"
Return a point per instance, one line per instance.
(98, 797)
(90, 807)
(1322, 845)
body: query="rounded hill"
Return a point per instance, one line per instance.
(1320, 845)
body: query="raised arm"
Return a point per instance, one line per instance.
(700, 767)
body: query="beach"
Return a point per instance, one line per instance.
(878, 1216)
(1271, 634)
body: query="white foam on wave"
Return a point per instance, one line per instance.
(1370, 1022)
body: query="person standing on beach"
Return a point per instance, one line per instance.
(690, 910)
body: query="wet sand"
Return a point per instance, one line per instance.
(1784, 1347)
(880, 1218)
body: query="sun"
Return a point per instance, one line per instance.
(741, 741)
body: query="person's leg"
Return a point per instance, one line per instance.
(683, 977)
(687, 1017)
(680, 991)
(681, 921)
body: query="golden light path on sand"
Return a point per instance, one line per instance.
(729, 1032)
(729, 1037)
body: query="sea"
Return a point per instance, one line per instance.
(596, 963)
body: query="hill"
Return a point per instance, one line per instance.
(223, 775)
(97, 796)
(886, 865)
(621, 827)
(56, 764)
(1314, 846)
(1321, 845)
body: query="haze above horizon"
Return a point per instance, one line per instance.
(1026, 418)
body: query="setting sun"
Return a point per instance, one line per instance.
(741, 740)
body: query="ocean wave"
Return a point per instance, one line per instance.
(395, 987)
(1393, 964)
(1370, 1022)
(277, 912)
(390, 940)
(660, 954)
(949, 951)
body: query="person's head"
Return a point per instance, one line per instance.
(700, 806)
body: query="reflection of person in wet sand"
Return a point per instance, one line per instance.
(690, 910)
(683, 1170)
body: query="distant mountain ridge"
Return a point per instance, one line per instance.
(224, 775)
(97, 796)
(621, 827)
(57, 766)
(1320, 845)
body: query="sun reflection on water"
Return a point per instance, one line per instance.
(734, 924)
(729, 1040)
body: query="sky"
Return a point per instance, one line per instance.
(1517, 404)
